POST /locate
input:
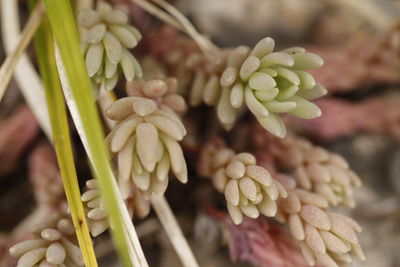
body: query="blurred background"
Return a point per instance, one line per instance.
(360, 43)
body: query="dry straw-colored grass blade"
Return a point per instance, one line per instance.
(24, 72)
(8, 66)
(176, 19)
(174, 232)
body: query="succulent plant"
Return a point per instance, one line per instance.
(54, 244)
(106, 45)
(146, 138)
(162, 91)
(314, 168)
(94, 208)
(269, 83)
(320, 171)
(291, 180)
(325, 237)
(96, 214)
(249, 189)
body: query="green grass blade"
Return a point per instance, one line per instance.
(58, 118)
(63, 25)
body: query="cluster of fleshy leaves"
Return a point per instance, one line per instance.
(54, 244)
(106, 45)
(266, 82)
(96, 213)
(314, 168)
(269, 83)
(325, 237)
(146, 136)
(249, 189)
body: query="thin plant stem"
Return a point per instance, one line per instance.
(173, 231)
(159, 13)
(25, 74)
(7, 68)
(206, 45)
(178, 21)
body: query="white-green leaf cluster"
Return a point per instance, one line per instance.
(269, 83)
(97, 216)
(249, 189)
(95, 210)
(106, 45)
(146, 139)
(53, 244)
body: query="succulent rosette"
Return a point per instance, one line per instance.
(269, 83)
(106, 45)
